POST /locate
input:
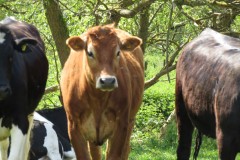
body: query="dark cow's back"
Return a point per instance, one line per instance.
(207, 92)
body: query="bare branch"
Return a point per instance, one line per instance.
(51, 89)
(166, 69)
(155, 79)
(168, 36)
(131, 13)
(163, 129)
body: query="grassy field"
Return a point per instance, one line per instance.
(164, 148)
(154, 148)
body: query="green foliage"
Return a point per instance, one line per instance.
(158, 103)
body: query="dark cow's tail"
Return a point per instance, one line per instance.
(197, 145)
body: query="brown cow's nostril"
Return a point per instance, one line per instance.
(107, 81)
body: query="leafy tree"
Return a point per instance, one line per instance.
(164, 25)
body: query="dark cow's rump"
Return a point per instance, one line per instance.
(23, 76)
(207, 93)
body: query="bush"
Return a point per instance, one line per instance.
(158, 103)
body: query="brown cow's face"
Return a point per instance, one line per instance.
(103, 48)
(103, 57)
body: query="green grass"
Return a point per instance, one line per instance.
(152, 147)
(164, 148)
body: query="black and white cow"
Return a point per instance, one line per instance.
(23, 76)
(49, 137)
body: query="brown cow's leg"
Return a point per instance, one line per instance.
(115, 147)
(127, 144)
(95, 151)
(80, 145)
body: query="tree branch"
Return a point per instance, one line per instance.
(131, 13)
(166, 69)
(51, 89)
(155, 79)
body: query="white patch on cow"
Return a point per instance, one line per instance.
(18, 143)
(2, 35)
(38, 117)
(70, 154)
(51, 143)
(51, 139)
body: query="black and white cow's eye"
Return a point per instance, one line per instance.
(90, 54)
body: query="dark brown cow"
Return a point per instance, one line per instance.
(207, 93)
(102, 86)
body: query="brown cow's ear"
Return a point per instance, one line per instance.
(130, 43)
(75, 43)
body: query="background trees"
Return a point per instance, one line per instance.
(164, 25)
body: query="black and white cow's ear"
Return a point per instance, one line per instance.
(22, 44)
(130, 43)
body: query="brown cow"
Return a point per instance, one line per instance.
(207, 93)
(102, 87)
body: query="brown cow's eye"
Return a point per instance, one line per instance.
(118, 53)
(90, 54)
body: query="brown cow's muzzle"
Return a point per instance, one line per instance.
(106, 83)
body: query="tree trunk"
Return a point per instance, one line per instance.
(144, 25)
(58, 28)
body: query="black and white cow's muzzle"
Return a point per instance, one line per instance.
(5, 91)
(107, 83)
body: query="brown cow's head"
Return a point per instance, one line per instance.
(103, 48)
